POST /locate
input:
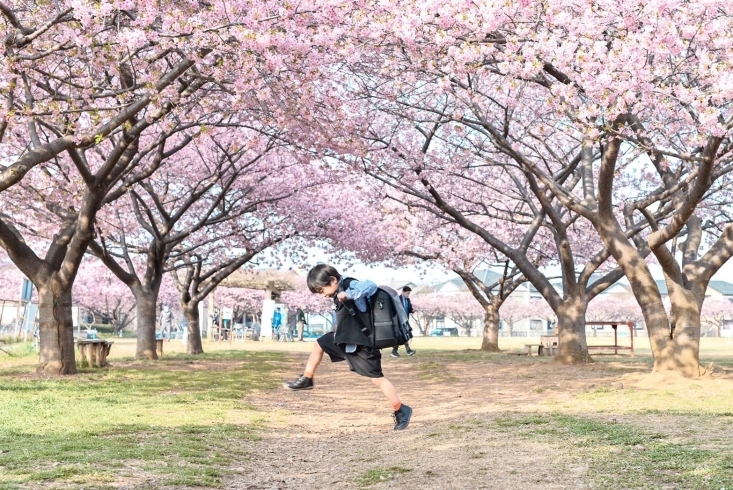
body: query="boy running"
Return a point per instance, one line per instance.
(349, 343)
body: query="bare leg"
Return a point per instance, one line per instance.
(313, 360)
(388, 389)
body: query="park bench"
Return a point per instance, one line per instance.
(528, 348)
(542, 349)
(95, 351)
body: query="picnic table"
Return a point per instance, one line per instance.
(546, 347)
(95, 351)
(549, 343)
(615, 347)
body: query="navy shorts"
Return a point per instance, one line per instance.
(365, 361)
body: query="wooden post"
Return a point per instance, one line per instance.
(615, 338)
(90, 354)
(209, 322)
(18, 324)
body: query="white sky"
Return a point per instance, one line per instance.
(382, 274)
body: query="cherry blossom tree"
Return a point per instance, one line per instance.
(679, 146)
(414, 147)
(716, 311)
(11, 283)
(465, 312)
(241, 300)
(515, 309)
(617, 123)
(174, 214)
(608, 307)
(429, 238)
(10, 279)
(299, 208)
(430, 307)
(74, 112)
(303, 298)
(90, 89)
(101, 293)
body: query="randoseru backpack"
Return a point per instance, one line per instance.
(389, 326)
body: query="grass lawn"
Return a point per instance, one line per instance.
(179, 418)
(181, 421)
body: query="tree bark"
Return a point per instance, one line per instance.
(646, 292)
(681, 350)
(572, 344)
(490, 342)
(147, 301)
(193, 330)
(56, 329)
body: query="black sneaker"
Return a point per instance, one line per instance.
(412, 353)
(395, 353)
(302, 383)
(402, 417)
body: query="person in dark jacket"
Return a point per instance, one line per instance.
(407, 304)
(300, 322)
(349, 342)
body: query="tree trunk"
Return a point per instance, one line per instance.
(56, 329)
(193, 331)
(670, 353)
(681, 350)
(147, 301)
(490, 342)
(572, 344)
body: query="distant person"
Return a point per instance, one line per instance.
(291, 326)
(215, 322)
(225, 327)
(300, 322)
(277, 321)
(166, 322)
(349, 342)
(407, 304)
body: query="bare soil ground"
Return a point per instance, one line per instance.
(340, 435)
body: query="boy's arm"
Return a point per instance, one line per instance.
(360, 289)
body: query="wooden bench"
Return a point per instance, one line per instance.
(614, 348)
(542, 349)
(95, 351)
(528, 349)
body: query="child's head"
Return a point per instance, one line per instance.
(323, 279)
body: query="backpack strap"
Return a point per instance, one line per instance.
(351, 310)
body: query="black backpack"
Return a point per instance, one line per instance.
(386, 330)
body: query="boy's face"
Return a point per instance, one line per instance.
(331, 289)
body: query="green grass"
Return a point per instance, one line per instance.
(434, 372)
(182, 421)
(175, 422)
(620, 455)
(18, 349)
(378, 475)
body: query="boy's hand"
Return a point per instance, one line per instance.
(342, 296)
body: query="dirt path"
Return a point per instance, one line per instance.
(340, 435)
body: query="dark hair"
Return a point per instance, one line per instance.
(320, 276)
(406, 289)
